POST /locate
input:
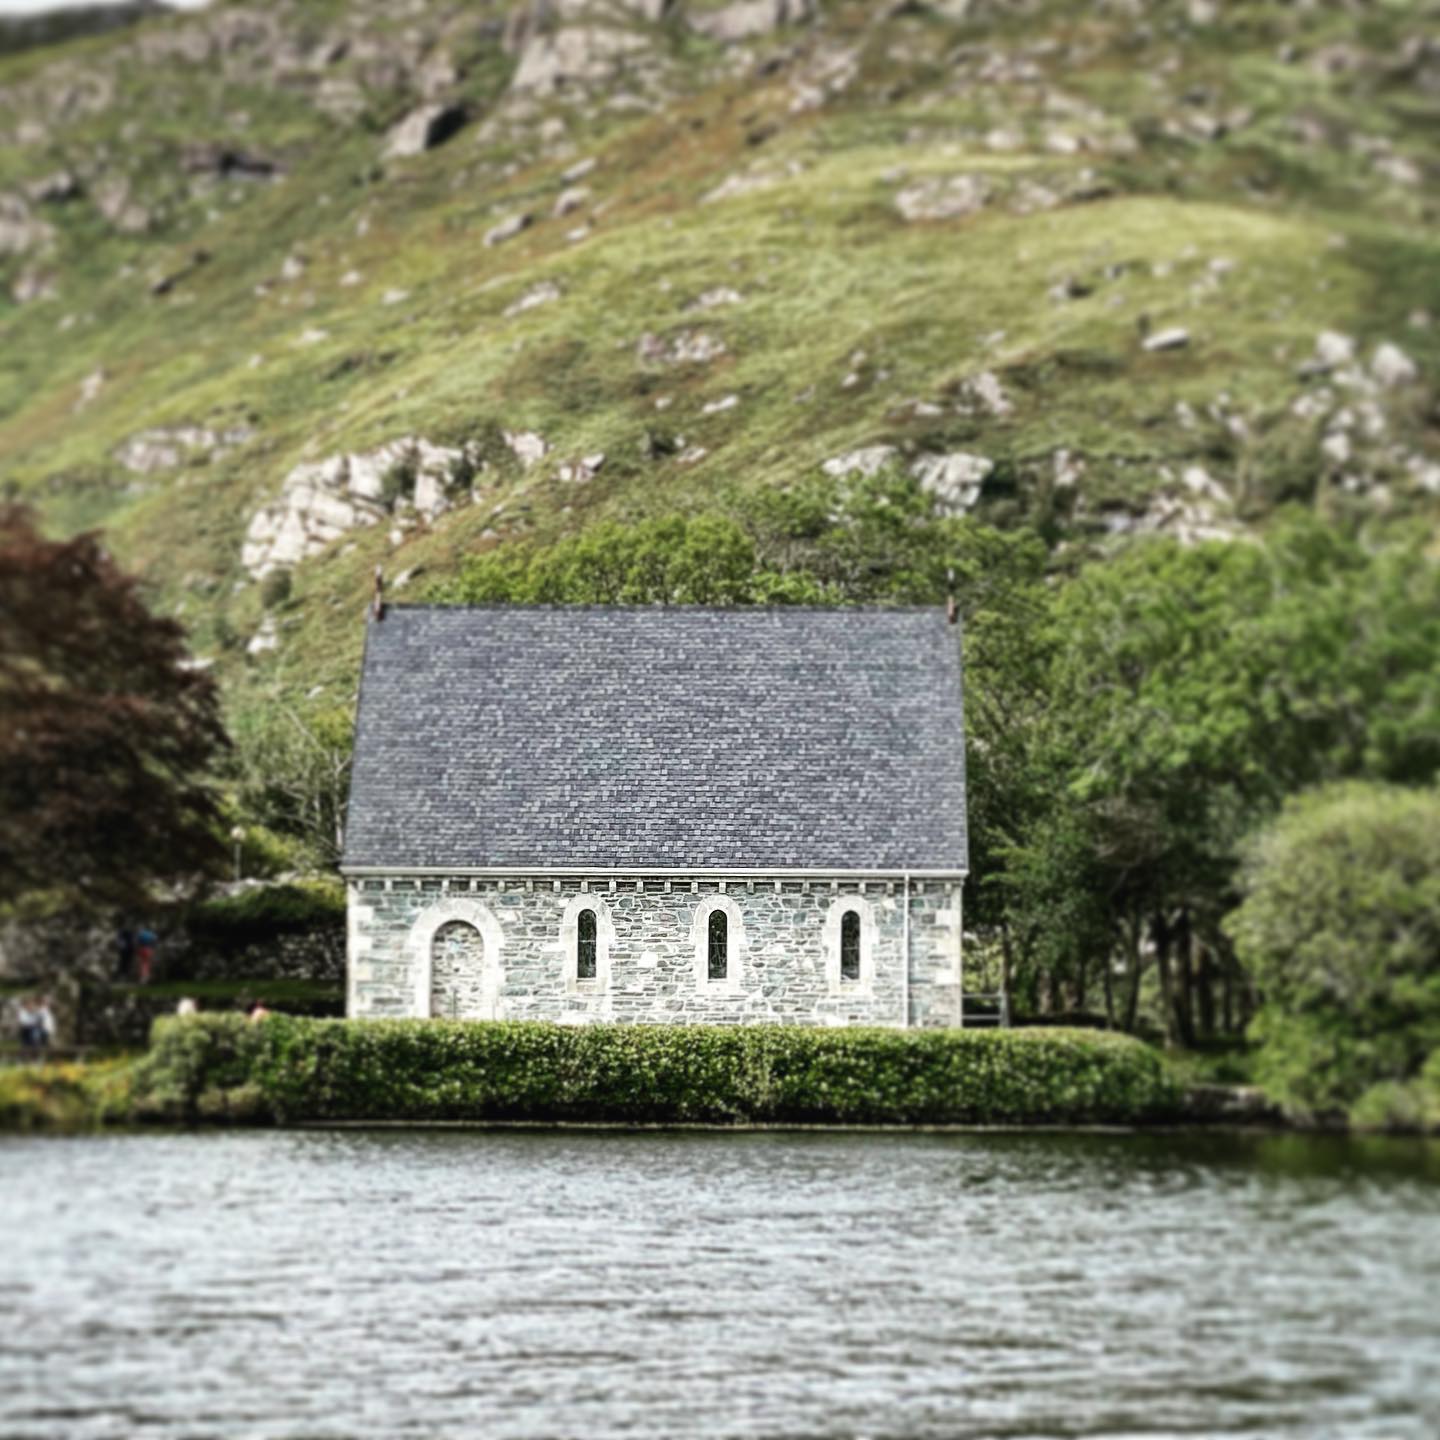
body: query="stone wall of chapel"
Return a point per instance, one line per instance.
(651, 970)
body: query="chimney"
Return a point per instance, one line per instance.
(377, 605)
(952, 609)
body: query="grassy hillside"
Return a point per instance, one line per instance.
(1161, 265)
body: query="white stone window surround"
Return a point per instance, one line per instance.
(735, 946)
(570, 946)
(421, 937)
(830, 941)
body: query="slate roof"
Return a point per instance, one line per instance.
(543, 736)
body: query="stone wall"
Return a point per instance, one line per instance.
(506, 949)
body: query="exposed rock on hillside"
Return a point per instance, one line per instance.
(1172, 339)
(321, 501)
(541, 294)
(20, 232)
(508, 228)
(747, 19)
(527, 447)
(868, 461)
(54, 188)
(802, 231)
(1392, 366)
(165, 449)
(954, 480)
(689, 347)
(113, 200)
(211, 157)
(423, 130)
(575, 55)
(943, 198)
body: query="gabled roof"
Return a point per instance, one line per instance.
(555, 736)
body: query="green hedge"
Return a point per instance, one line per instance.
(266, 911)
(287, 1069)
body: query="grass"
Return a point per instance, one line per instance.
(219, 993)
(1224, 1063)
(1314, 236)
(67, 1096)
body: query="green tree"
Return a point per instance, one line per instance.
(1340, 927)
(292, 774)
(1190, 689)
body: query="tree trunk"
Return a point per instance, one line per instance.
(1205, 989)
(1005, 966)
(1134, 930)
(1185, 980)
(1160, 933)
(1108, 978)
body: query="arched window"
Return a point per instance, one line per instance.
(719, 945)
(850, 946)
(586, 967)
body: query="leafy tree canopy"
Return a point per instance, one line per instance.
(1340, 927)
(106, 729)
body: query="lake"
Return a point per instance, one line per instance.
(511, 1283)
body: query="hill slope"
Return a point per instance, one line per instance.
(306, 286)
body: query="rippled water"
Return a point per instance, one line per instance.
(345, 1284)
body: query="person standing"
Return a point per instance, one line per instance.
(125, 952)
(145, 942)
(27, 1023)
(44, 1026)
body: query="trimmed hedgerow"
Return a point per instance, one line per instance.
(267, 911)
(288, 1069)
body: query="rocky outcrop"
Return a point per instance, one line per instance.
(169, 447)
(526, 446)
(1173, 339)
(323, 500)
(574, 55)
(114, 201)
(20, 232)
(1392, 366)
(749, 19)
(946, 197)
(954, 480)
(32, 284)
(54, 188)
(537, 295)
(214, 157)
(867, 461)
(508, 228)
(424, 129)
(689, 347)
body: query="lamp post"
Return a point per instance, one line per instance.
(238, 836)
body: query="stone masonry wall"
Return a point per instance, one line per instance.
(506, 949)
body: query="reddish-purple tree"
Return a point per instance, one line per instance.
(106, 730)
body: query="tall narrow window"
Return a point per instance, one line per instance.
(585, 945)
(850, 946)
(719, 945)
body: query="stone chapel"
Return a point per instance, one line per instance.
(649, 815)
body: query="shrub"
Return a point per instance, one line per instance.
(398, 482)
(1341, 931)
(64, 1096)
(296, 1069)
(260, 914)
(275, 588)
